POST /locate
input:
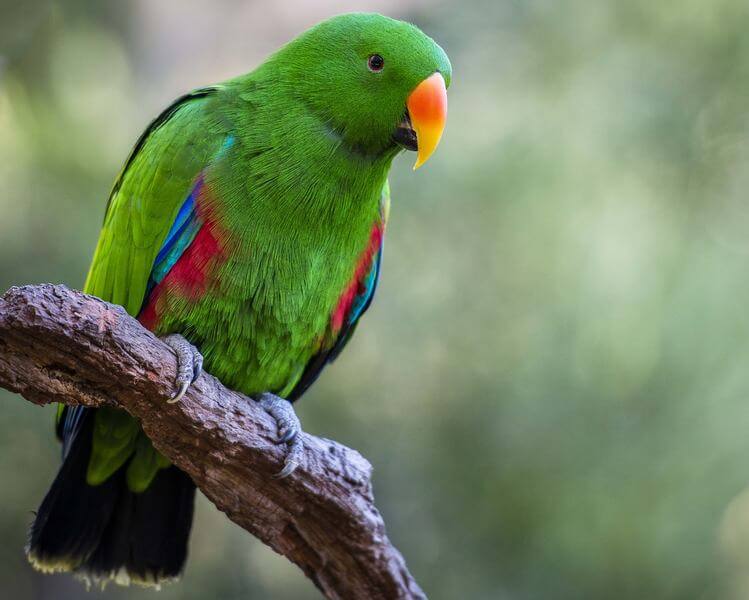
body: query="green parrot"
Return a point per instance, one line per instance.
(245, 230)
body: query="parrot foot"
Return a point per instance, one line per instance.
(289, 429)
(189, 364)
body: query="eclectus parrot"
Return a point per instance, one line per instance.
(245, 230)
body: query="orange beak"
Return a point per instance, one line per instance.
(427, 106)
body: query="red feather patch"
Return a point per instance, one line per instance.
(189, 277)
(355, 287)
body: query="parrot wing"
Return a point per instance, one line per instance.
(147, 197)
(148, 223)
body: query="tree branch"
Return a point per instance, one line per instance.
(57, 345)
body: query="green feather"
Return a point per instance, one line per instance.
(144, 464)
(146, 197)
(115, 434)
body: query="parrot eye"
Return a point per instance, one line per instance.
(375, 63)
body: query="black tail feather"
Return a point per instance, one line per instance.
(73, 515)
(108, 532)
(160, 527)
(146, 540)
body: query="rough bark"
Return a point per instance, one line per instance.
(58, 345)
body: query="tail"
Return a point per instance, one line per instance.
(107, 532)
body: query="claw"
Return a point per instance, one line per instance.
(180, 392)
(189, 364)
(197, 366)
(289, 467)
(287, 436)
(293, 458)
(289, 428)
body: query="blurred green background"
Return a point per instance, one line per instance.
(553, 384)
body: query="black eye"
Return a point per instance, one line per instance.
(375, 63)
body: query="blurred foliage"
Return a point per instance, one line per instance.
(553, 383)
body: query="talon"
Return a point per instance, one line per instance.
(197, 366)
(189, 364)
(293, 458)
(287, 436)
(180, 392)
(287, 470)
(289, 428)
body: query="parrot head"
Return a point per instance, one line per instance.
(378, 84)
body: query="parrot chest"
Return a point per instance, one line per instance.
(259, 307)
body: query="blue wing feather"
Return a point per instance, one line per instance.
(362, 301)
(185, 214)
(183, 230)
